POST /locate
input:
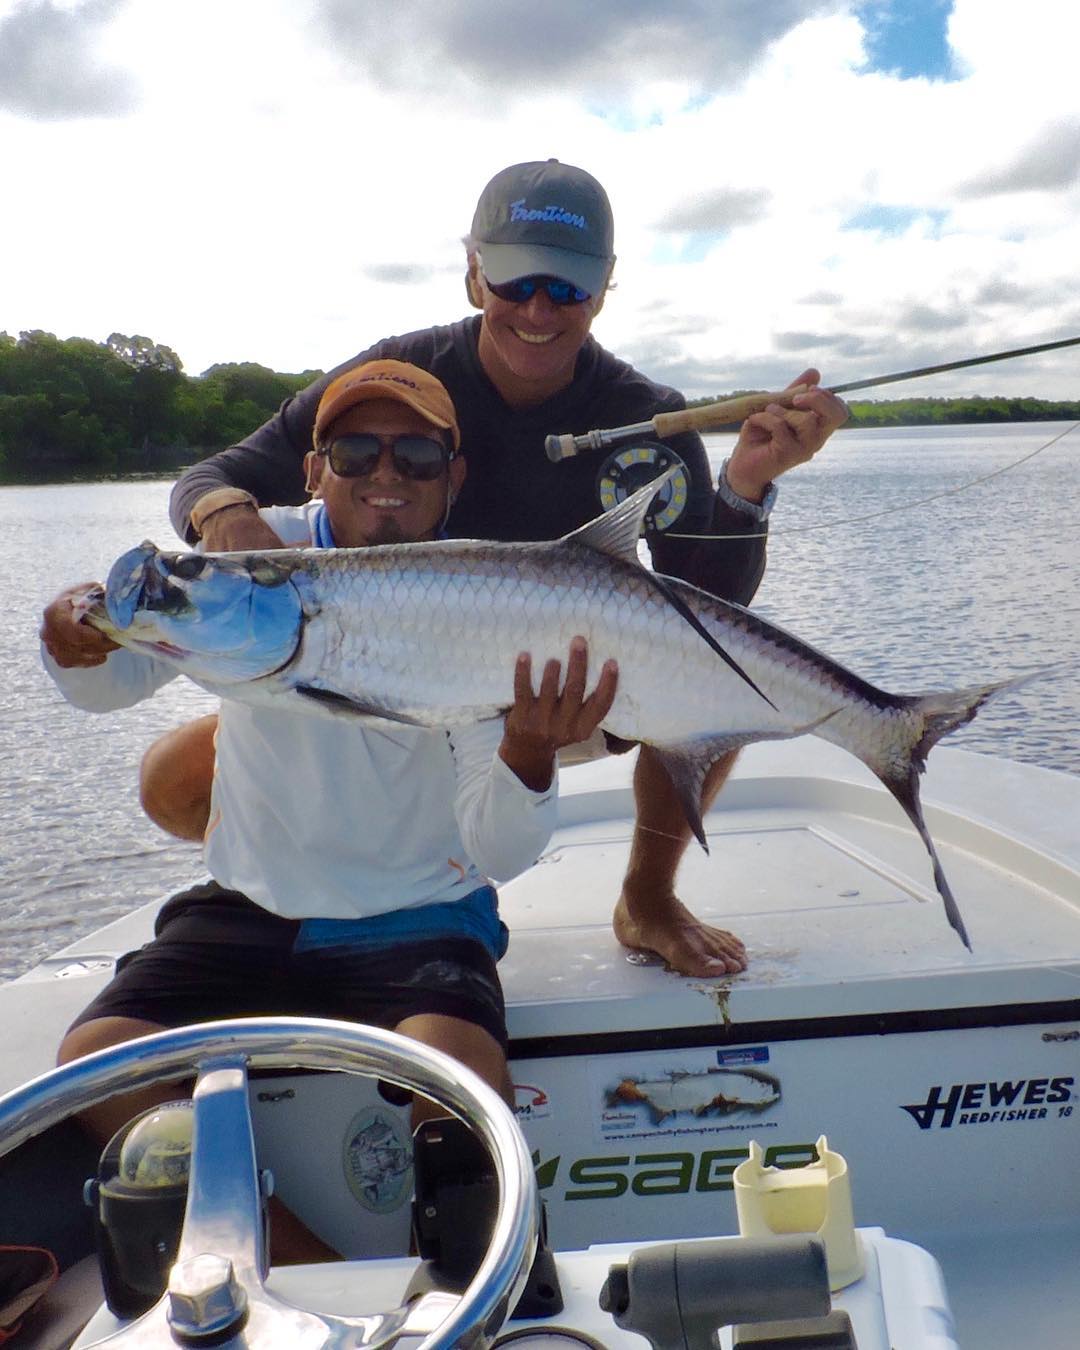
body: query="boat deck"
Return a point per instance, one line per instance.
(813, 865)
(947, 1078)
(817, 869)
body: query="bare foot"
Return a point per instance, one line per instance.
(687, 946)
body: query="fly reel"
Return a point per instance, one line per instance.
(633, 467)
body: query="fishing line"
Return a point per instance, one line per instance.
(889, 511)
(664, 834)
(1064, 970)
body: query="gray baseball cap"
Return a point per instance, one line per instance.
(545, 219)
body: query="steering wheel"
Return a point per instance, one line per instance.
(216, 1294)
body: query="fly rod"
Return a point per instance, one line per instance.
(709, 416)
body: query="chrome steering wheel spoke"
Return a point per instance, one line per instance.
(223, 1214)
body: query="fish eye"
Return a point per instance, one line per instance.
(188, 566)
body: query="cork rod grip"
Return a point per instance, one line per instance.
(709, 416)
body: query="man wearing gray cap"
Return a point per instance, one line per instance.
(572, 235)
(539, 260)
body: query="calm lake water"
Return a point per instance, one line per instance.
(978, 585)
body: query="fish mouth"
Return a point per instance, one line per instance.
(137, 581)
(167, 649)
(218, 619)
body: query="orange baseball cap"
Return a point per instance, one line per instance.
(387, 379)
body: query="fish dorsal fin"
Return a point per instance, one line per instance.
(617, 531)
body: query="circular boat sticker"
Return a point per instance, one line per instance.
(377, 1159)
(626, 470)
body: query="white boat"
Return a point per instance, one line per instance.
(946, 1079)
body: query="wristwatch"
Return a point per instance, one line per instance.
(758, 511)
(210, 503)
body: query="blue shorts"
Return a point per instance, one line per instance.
(216, 954)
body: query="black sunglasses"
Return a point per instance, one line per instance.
(521, 289)
(421, 458)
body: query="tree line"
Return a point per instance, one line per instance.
(72, 407)
(921, 412)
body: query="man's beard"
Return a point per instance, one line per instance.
(387, 532)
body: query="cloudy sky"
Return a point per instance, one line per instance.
(866, 186)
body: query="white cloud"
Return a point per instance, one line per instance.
(513, 48)
(50, 67)
(290, 186)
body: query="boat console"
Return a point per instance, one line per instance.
(765, 1291)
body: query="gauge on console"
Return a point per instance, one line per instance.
(548, 1338)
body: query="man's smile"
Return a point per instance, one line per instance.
(538, 339)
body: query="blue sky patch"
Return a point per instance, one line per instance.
(892, 220)
(622, 118)
(692, 247)
(908, 38)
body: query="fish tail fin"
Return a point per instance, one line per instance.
(904, 785)
(940, 714)
(944, 712)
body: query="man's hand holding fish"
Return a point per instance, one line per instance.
(539, 725)
(70, 642)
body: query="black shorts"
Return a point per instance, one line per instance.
(217, 954)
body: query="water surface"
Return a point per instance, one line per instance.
(978, 585)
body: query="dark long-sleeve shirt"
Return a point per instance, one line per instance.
(512, 490)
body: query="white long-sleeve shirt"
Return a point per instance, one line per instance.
(316, 817)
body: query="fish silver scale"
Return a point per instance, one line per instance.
(432, 634)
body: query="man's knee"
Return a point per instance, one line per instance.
(466, 1042)
(176, 776)
(100, 1034)
(104, 1118)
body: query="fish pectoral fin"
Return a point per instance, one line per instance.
(351, 707)
(617, 531)
(686, 765)
(688, 762)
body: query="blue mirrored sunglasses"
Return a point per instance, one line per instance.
(521, 289)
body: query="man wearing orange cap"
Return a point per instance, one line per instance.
(310, 911)
(539, 261)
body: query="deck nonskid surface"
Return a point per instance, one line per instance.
(815, 867)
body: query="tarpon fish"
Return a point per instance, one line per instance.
(427, 635)
(698, 1094)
